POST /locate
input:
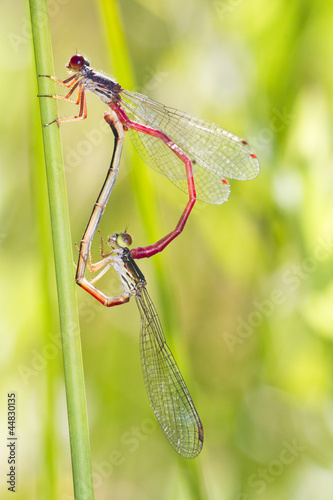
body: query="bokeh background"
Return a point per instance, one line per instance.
(245, 294)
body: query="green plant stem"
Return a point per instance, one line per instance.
(73, 367)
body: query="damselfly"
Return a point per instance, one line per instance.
(196, 155)
(166, 389)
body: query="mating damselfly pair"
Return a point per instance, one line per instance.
(198, 157)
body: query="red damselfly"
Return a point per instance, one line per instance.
(196, 155)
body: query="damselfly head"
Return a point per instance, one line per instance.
(77, 62)
(119, 240)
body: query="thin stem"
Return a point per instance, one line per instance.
(62, 246)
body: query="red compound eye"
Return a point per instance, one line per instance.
(77, 61)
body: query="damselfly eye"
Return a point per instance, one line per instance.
(124, 240)
(77, 61)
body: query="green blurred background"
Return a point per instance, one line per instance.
(245, 294)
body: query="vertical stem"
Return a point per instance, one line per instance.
(74, 380)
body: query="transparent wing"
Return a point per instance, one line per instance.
(209, 187)
(215, 152)
(167, 391)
